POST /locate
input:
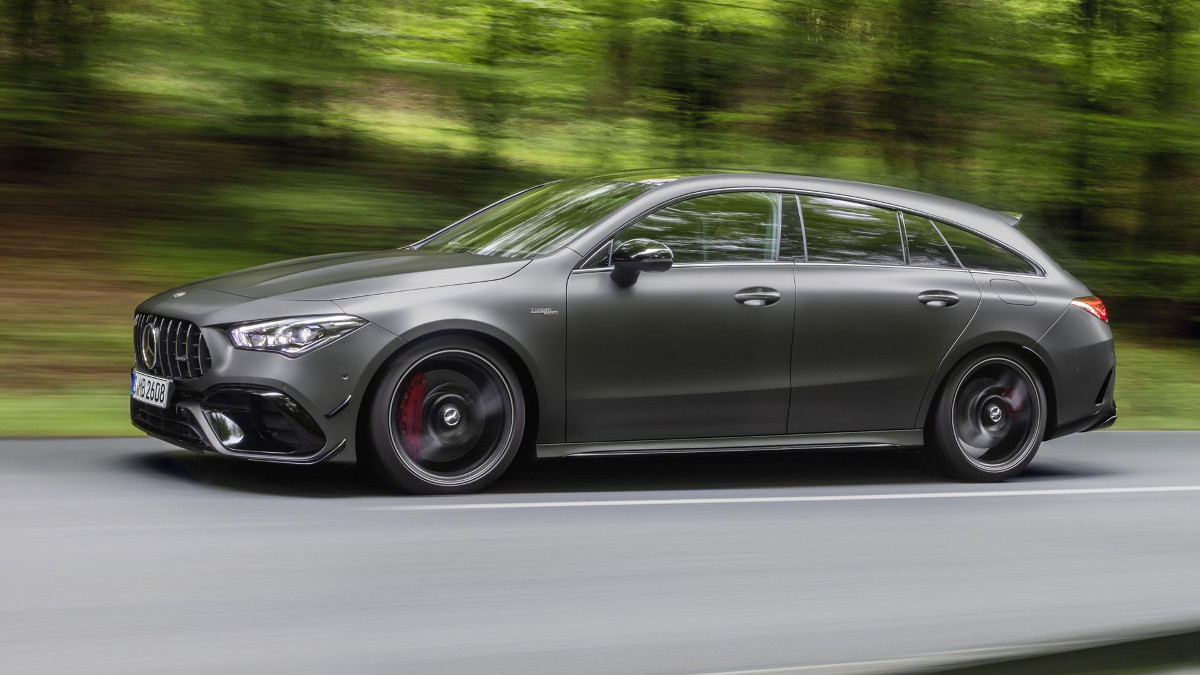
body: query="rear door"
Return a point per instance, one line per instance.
(880, 299)
(693, 352)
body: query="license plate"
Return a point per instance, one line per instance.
(149, 389)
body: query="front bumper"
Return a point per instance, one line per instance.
(252, 423)
(287, 410)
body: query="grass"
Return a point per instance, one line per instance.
(89, 411)
(1158, 383)
(1158, 387)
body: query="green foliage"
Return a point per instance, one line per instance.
(144, 143)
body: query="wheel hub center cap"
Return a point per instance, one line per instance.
(994, 413)
(451, 416)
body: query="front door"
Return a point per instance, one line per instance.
(699, 351)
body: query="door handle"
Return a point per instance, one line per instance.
(758, 296)
(939, 298)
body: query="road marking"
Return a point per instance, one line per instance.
(892, 496)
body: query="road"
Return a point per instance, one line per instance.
(124, 556)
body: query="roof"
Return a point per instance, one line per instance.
(672, 184)
(909, 200)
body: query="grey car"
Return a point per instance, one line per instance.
(641, 312)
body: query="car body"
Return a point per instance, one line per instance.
(647, 311)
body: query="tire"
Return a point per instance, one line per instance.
(447, 417)
(988, 420)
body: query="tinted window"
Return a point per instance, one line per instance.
(724, 227)
(977, 253)
(926, 248)
(848, 232)
(538, 221)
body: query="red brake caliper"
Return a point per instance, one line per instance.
(1015, 403)
(408, 414)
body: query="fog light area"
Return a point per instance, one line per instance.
(228, 431)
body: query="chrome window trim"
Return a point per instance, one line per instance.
(895, 267)
(1011, 274)
(749, 263)
(797, 264)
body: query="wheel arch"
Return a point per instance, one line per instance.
(525, 375)
(1023, 352)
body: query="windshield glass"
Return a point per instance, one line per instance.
(538, 221)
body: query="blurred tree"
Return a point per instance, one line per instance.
(46, 80)
(289, 62)
(1086, 105)
(509, 30)
(361, 123)
(1168, 202)
(914, 74)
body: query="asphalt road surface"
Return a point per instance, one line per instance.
(125, 556)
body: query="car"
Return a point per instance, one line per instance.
(640, 312)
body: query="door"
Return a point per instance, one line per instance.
(880, 301)
(699, 351)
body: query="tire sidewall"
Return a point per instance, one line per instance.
(942, 445)
(383, 454)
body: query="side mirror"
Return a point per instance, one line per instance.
(635, 256)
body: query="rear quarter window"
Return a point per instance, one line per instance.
(977, 253)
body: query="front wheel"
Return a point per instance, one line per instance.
(447, 417)
(988, 420)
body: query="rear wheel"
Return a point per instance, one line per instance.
(447, 417)
(989, 419)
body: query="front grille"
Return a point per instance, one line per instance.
(181, 350)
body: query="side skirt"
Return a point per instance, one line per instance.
(900, 438)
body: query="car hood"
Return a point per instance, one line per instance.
(348, 275)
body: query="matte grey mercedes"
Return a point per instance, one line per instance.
(641, 312)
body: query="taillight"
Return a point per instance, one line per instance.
(1092, 305)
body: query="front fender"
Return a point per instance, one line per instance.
(524, 312)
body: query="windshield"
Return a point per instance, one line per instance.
(538, 221)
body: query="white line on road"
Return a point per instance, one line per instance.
(892, 496)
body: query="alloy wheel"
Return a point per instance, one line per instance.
(997, 414)
(452, 417)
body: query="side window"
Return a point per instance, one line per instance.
(977, 253)
(840, 231)
(926, 248)
(722, 227)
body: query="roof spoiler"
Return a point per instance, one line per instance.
(1010, 218)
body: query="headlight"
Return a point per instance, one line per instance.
(294, 336)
